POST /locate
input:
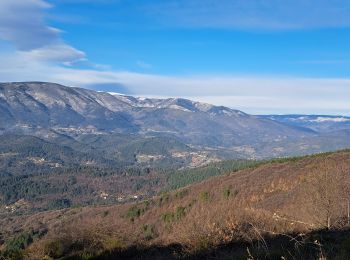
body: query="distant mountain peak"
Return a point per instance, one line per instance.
(182, 104)
(44, 109)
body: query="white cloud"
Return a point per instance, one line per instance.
(252, 94)
(23, 24)
(41, 52)
(56, 52)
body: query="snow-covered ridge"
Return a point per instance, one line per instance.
(312, 118)
(331, 119)
(178, 104)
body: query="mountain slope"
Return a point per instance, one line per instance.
(50, 105)
(51, 111)
(291, 196)
(46, 109)
(318, 123)
(25, 155)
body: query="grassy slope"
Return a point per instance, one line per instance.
(272, 198)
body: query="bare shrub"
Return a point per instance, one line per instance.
(75, 239)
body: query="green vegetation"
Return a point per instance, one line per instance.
(15, 246)
(229, 192)
(149, 232)
(302, 157)
(205, 196)
(212, 228)
(42, 187)
(170, 217)
(164, 198)
(181, 194)
(180, 213)
(185, 177)
(60, 203)
(136, 211)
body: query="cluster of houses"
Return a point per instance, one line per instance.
(121, 198)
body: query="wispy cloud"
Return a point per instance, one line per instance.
(253, 94)
(58, 52)
(252, 14)
(23, 24)
(143, 65)
(41, 54)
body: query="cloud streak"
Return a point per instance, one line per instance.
(252, 94)
(59, 52)
(252, 14)
(23, 24)
(41, 52)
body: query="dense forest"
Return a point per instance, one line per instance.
(86, 185)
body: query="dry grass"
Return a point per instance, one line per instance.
(273, 199)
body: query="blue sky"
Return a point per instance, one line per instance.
(260, 56)
(136, 37)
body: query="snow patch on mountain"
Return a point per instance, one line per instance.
(331, 119)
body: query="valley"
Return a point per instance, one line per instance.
(174, 130)
(88, 120)
(97, 175)
(254, 212)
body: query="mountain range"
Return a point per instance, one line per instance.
(55, 112)
(92, 175)
(318, 123)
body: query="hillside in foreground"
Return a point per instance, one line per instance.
(291, 208)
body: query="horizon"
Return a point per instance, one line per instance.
(174, 129)
(180, 97)
(260, 58)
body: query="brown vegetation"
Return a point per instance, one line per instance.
(292, 197)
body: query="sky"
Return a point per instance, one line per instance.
(259, 56)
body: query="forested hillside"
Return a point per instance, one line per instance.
(87, 185)
(173, 177)
(292, 208)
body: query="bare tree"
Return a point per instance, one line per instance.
(327, 193)
(345, 189)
